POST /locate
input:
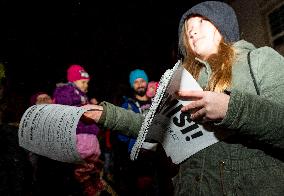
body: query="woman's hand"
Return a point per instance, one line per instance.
(205, 105)
(94, 112)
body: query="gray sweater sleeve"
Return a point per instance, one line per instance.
(257, 117)
(125, 121)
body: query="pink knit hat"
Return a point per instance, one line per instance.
(76, 72)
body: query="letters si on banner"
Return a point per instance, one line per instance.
(165, 123)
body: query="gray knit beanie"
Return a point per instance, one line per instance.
(220, 14)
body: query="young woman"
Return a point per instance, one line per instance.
(243, 95)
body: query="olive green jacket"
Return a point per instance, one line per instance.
(248, 162)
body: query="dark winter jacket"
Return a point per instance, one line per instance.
(68, 94)
(131, 104)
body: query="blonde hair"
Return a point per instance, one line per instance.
(220, 63)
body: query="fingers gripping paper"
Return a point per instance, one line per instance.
(165, 123)
(50, 130)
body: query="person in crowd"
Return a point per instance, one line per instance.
(139, 103)
(51, 173)
(243, 94)
(41, 98)
(38, 98)
(152, 89)
(74, 93)
(140, 173)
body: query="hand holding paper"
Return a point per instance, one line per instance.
(167, 124)
(93, 112)
(205, 105)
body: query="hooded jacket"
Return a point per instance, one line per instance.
(250, 161)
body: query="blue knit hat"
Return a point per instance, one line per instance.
(137, 73)
(220, 14)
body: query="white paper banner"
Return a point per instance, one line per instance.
(50, 130)
(166, 124)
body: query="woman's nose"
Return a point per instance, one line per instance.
(192, 33)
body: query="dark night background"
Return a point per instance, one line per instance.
(40, 39)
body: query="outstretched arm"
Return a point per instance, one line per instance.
(116, 118)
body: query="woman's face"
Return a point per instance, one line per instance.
(203, 37)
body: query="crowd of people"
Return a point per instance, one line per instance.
(242, 102)
(103, 172)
